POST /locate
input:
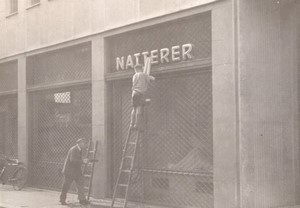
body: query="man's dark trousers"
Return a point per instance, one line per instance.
(79, 180)
(72, 172)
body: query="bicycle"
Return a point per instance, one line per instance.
(19, 176)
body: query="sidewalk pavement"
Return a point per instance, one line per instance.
(36, 198)
(40, 198)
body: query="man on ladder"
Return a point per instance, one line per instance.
(140, 82)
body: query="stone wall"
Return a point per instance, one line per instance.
(268, 103)
(52, 21)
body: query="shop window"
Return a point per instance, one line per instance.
(8, 126)
(59, 118)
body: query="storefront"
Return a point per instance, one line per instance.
(176, 152)
(60, 109)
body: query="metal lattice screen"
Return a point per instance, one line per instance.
(9, 126)
(9, 110)
(59, 118)
(8, 76)
(176, 154)
(68, 64)
(195, 30)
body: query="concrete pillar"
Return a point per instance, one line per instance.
(225, 107)
(98, 117)
(268, 103)
(22, 112)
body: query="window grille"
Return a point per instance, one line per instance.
(9, 125)
(58, 118)
(175, 159)
(8, 76)
(59, 66)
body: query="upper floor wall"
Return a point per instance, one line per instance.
(54, 21)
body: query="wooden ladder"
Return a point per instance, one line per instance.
(88, 170)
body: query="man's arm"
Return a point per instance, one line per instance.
(134, 80)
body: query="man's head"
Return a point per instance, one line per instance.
(138, 68)
(82, 142)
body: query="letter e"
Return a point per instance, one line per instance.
(164, 53)
(175, 53)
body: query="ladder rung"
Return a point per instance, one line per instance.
(123, 185)
(120, 200)
(87, 176)
(126, 171)
(93, 160)
(132, 143)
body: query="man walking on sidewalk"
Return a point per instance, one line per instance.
(72, 172)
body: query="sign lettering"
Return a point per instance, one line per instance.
(161, 56)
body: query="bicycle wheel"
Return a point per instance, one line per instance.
(19, 178)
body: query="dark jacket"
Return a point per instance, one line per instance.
(73, 162)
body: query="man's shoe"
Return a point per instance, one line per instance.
(84, 202)
(63, 203)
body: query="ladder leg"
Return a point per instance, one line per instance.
(120, 169)
(92, 173)
(85, 166)
(131, 169)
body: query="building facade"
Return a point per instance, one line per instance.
(222, 129)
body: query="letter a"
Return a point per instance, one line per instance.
(129, 62)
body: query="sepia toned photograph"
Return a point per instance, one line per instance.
(149, 103)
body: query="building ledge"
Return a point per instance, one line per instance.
(11, 14)
(33, 5)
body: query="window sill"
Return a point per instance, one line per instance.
(11, 14)
(33, 5)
